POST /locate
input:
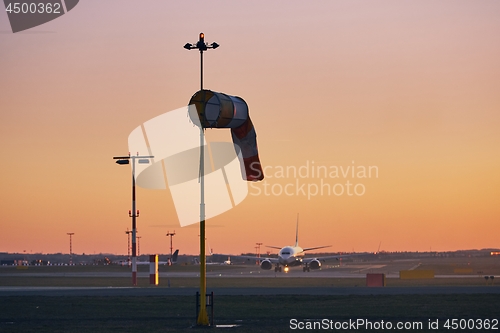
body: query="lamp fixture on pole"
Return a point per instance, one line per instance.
(133, 213)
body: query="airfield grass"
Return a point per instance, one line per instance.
(10, 276)
(230, 282)
(252, 313)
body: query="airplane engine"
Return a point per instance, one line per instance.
(315, 264)
(266, 264)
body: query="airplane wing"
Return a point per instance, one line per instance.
(337, 256)
(315, 248)
(272, 260)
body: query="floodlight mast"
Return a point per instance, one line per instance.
(70, 234)
(202, 319)
(171, 234)
(133, 213)
(258, 252)
(128, 232)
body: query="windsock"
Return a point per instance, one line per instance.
(218, 110)
(245, 138)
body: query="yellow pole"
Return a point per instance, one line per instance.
(202, 315)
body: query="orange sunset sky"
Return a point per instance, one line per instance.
(409, 87)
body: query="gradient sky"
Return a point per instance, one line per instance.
(411, 87)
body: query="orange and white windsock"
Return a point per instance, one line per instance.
(218, 110)
(246, 139)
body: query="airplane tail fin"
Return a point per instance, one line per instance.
(210, 250)
(297, 232)
(174, 256)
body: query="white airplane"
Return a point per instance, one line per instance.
(169, 262)
(290, 256)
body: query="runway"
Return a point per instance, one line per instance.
(219, 273)
(323, 291)
(350, 272)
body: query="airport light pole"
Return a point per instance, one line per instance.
(133, 213)
(202, 319)
(258, 252)
(128, 232)
(70, 247)
(170, 234)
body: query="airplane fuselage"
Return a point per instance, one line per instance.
(291, 256)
